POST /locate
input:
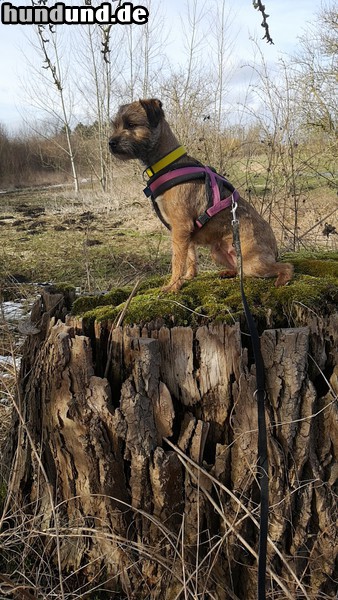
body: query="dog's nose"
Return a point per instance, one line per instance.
(112, 144)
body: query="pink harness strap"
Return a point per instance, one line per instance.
(174, 175)
(218, 204)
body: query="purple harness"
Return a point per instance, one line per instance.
(158, 184)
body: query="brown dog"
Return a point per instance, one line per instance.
(141, 131)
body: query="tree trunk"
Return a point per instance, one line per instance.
(153, 470)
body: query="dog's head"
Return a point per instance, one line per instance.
(136, 129)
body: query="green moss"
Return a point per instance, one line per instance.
(155, 281)
(308, 255)
(208, 297)
(88, 303)
(317, 293)
(316, 268)
(155, 305)
(101, 313)
(145, 307)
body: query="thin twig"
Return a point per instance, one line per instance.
(117, 324)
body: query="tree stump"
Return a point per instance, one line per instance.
(149, 480)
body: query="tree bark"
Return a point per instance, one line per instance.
(153, 470)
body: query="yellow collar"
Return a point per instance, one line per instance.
(166, 161)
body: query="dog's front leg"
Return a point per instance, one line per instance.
(180, 248)
(191, 266)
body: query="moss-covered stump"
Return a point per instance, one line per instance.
(209, 298)
(153, 469)
(311, 299)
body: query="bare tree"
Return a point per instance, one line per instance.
(153, 38)
(194, 41)
(49, 51)
(98, 58)
(316, 65)
(223, 42)
(142, 53)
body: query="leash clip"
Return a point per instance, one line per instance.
(233, 209)
(258, 391)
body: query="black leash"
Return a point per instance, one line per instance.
(260, 397)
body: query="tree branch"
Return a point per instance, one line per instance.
(259, 6)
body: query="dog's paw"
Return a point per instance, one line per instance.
(282, 279)
(227, 274)
(172, 287)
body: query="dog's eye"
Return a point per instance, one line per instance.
(129, 125)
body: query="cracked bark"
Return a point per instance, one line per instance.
(128, 508)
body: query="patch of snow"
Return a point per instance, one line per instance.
(13, 311)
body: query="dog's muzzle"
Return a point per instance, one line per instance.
(113, 145)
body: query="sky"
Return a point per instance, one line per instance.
(287, 21)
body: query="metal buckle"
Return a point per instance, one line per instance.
(203, 219)
(233, 209)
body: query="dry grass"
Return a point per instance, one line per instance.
(96, 240)
(92, 240)
(29, 565)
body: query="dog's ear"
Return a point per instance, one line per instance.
(154, 111)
